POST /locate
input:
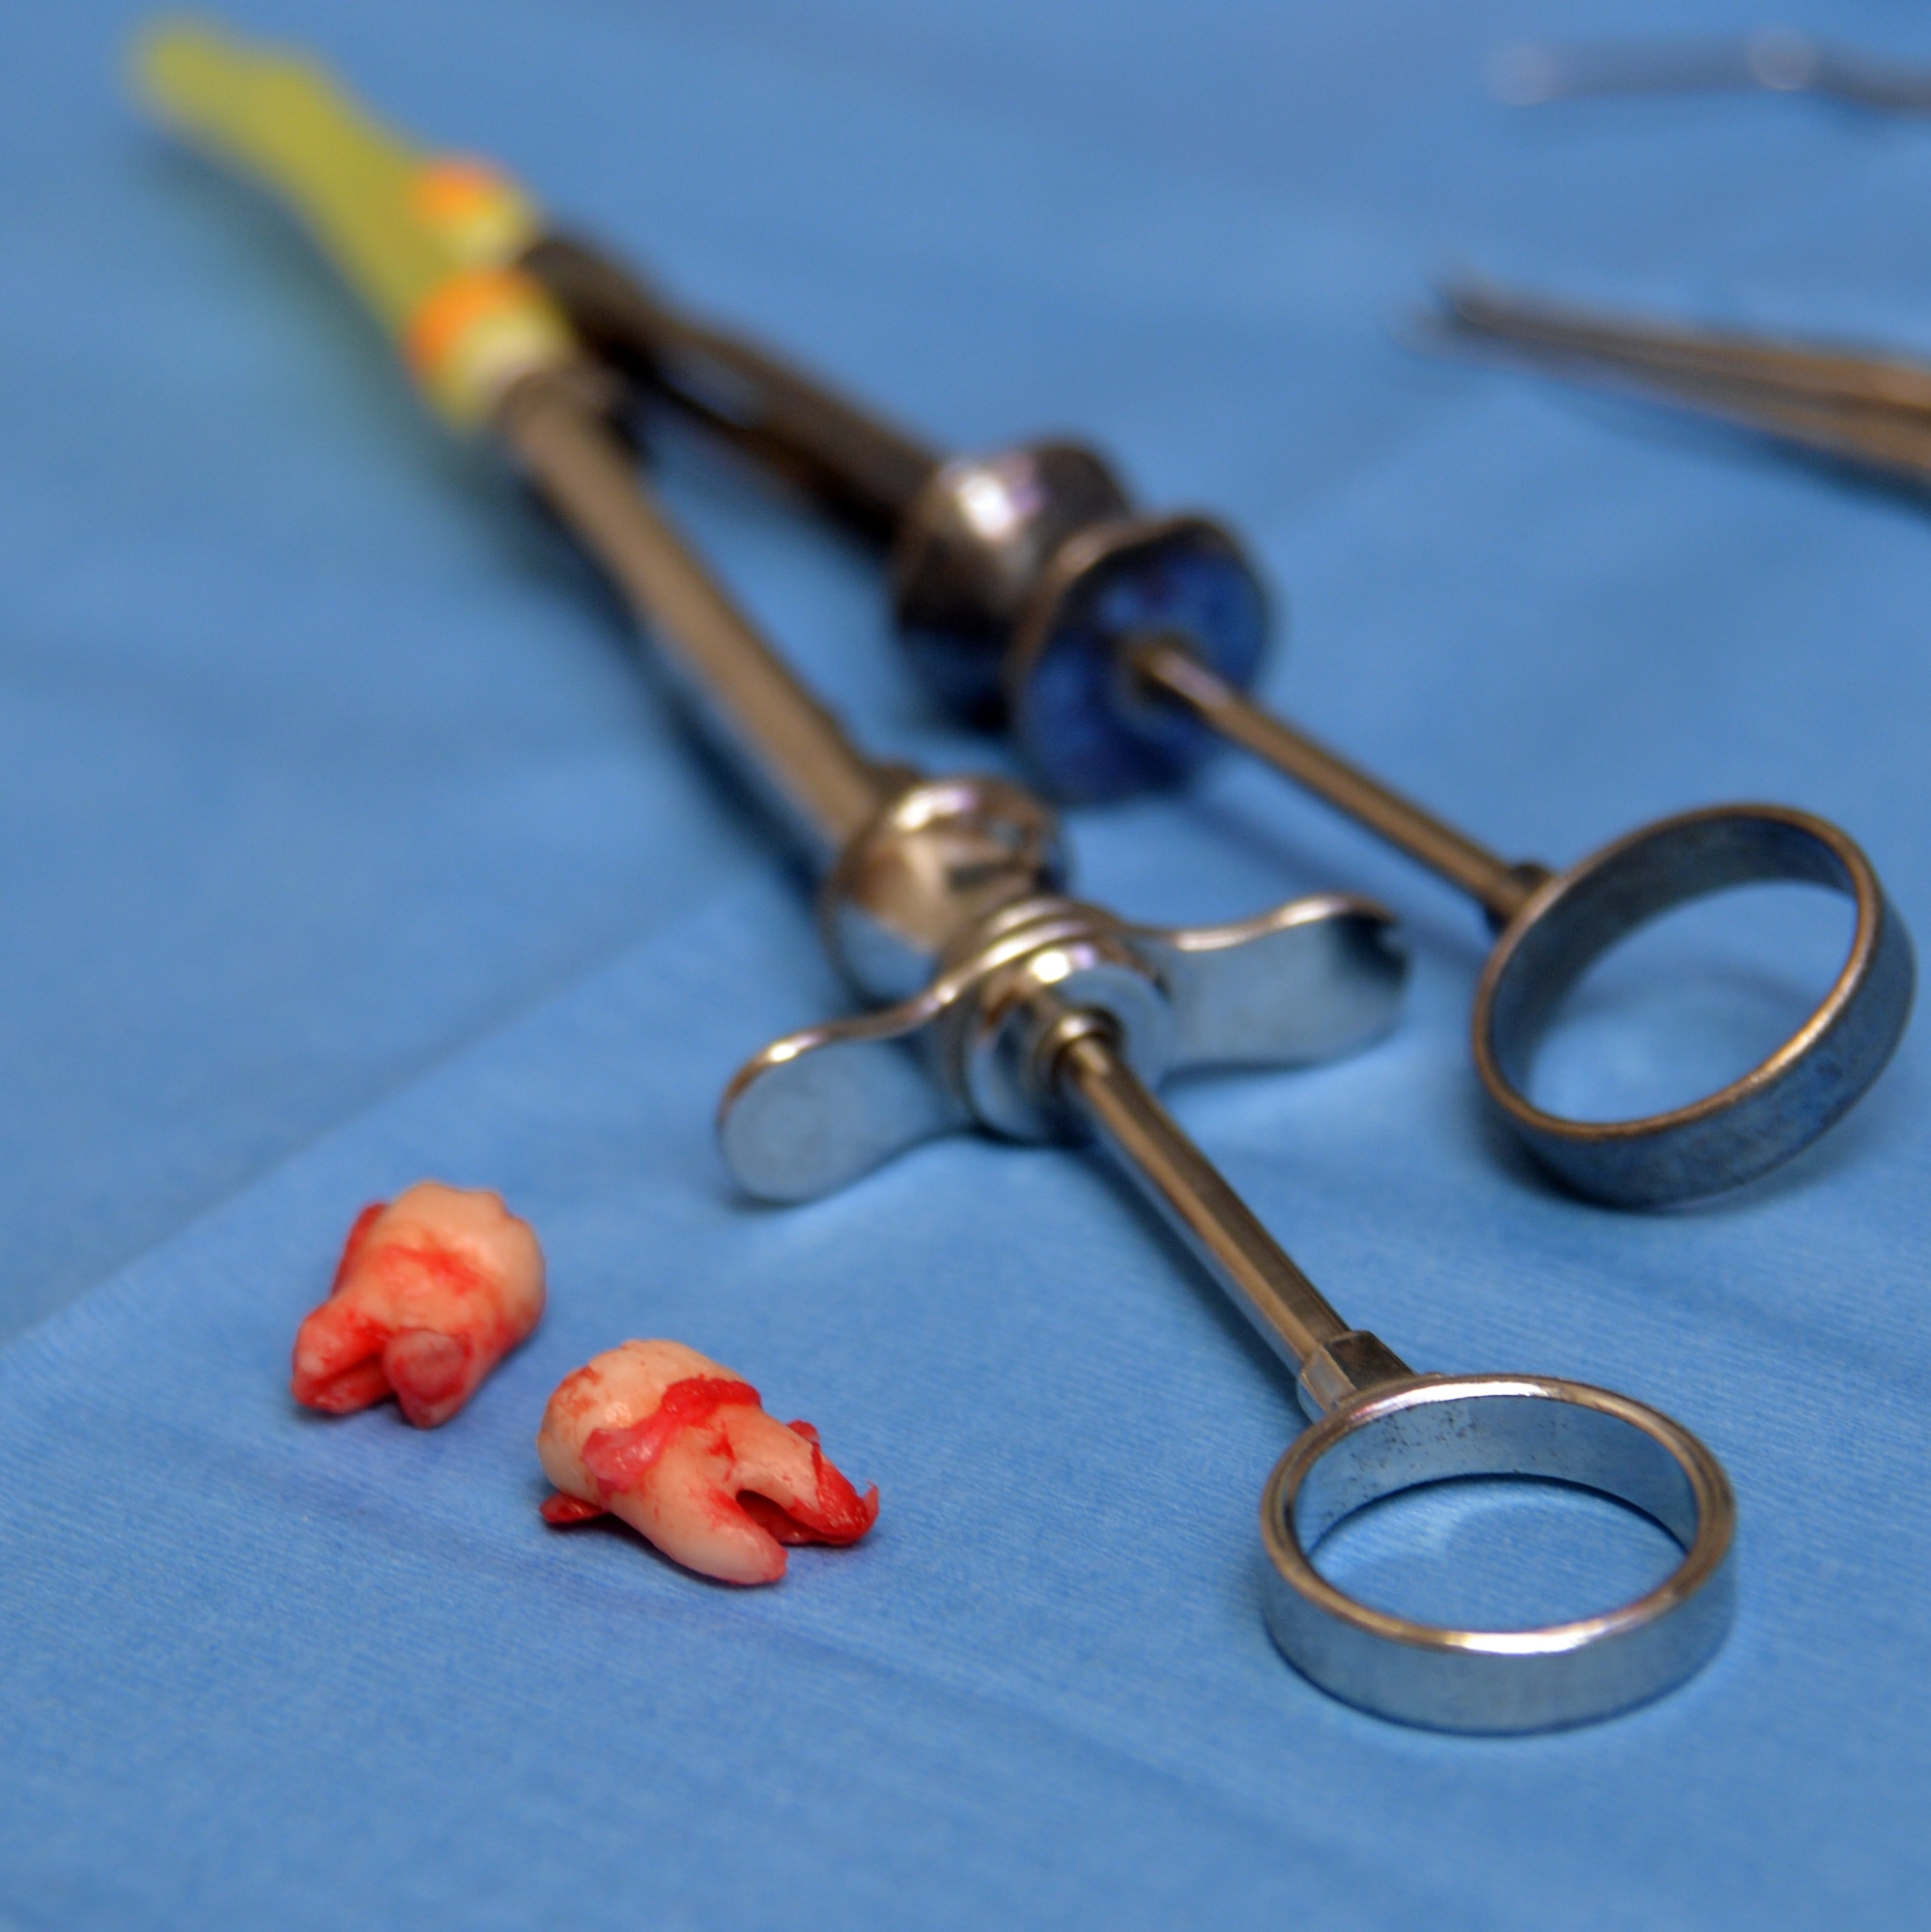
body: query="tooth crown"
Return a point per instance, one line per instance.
(619, 1388)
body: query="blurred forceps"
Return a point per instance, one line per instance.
(1870, 410)
(1778, 60)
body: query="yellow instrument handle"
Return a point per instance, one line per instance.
(428, 241)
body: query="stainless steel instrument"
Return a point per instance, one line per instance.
(1775, 59)
(1116, 647)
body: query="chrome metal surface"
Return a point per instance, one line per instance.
(1075, 708)
(819, 1109)
(1046, 1017)
(1779, 1106)
(939, 857)
(1425, 1429)
(969, 549)
(1555, 926)
(1309, 981)
(1016, 1022)
(1014, 574)
(1124, 645)
(1379, 1428)
(786, 744)
(1291, 1314)
(1500, 886)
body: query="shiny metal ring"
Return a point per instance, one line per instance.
(1743, 1129)
(1436, 1426)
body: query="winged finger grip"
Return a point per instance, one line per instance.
(1303, 981)
(820, 1108)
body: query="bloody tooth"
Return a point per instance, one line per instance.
(432, 1289)
(681, 1449)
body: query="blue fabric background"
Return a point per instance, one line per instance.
(342, 845)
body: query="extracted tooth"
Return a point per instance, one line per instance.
(682, 1450)
(432, 1291)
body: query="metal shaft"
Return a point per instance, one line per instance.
(1499, 886)
(1796, 369)
(1196, 1199)
(872, 471)
(787, 743)
(865, 467)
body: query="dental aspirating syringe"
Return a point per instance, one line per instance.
(1118, 647)
(1034, 1015)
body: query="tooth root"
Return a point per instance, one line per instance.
(334, 1359)
(820, 1497)
(360, 1387)
(787, 1467)
(775, 1522)
(684, 1506)
(432, 1373)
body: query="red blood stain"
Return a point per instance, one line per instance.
(617, 1458)
(775, 1522)
(562, 1509)
(842, 1514)
(444, 1267)
(358, 1233)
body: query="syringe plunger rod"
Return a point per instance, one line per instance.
(797, 752)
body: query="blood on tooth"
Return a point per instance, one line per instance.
(772, 1520)
(353, 1389)
(561, 1509)
(618, 1457)
(683, 1451)
(359, 1235)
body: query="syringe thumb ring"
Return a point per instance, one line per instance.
(1767, 1114)
(1429, 1429)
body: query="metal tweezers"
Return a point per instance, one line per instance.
(1779, 60)
(1868, 408)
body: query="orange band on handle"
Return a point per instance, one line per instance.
(479, 214)
(454, 310)
(476, 330)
